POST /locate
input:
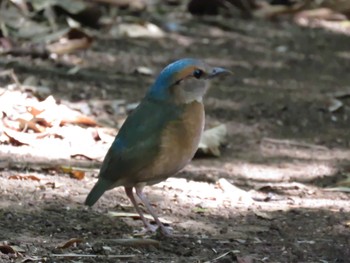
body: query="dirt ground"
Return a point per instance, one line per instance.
(285, 147)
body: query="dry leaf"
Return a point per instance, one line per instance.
(233, 192)
(138, 30)
(70, 242)
(75, 173)
(212, 139)
(30, 124)
(75, 117)
(52, 113)
(21, 138)
(34, 111)
(66, 45)
(263, 215)
(334, 105)
(79, 175)
(24, 177)
(6, 249)
(144, 71)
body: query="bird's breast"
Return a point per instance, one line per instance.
(179, 143)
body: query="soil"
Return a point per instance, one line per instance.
(265, 199)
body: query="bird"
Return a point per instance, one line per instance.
(160, 137)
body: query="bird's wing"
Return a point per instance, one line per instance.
(138, 141)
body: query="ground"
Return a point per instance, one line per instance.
(263, 200)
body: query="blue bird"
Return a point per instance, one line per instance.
(160, 136)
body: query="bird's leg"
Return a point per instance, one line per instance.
(144, 200)
(129, 193)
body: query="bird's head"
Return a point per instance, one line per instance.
(184, 81)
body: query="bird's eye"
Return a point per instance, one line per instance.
(197, 73)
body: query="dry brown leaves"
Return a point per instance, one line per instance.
(25, 119)
(58, 129)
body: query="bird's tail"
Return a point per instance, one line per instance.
(96, 192)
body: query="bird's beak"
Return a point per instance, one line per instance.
(218, 72)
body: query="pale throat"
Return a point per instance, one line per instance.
(190, 90)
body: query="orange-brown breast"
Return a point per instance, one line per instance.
(179, 142)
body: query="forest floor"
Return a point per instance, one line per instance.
(269, 197)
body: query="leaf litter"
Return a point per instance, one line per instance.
(25, 121)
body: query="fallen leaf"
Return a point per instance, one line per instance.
(334, 105)
(79, 175)
(138, 30)
(34, 111)
(144, 71)
(6, 249)
(24, 177)
(212, 139)
(75, 173)
(21, 138)
(52, 113)
(263, 215)
(30, 124)
(233, 192)
(74, 40)
(70, 242)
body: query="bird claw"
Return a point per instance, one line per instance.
(165, 231)
(153, 229)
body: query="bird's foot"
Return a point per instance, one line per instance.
(154, 228)
(165, 231)
(151, 228)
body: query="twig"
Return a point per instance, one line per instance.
(14, 161)
(293, 143)
(91, 256)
